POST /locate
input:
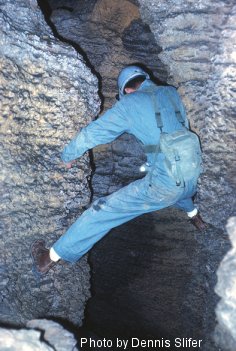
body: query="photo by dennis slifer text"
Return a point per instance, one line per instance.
(137, 343)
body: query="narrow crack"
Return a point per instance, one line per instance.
(47, 12)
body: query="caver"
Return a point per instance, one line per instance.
(155, 115)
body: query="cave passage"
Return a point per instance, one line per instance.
(149, 277)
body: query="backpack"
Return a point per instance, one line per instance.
(181, 148)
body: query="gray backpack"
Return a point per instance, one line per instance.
(181, 148)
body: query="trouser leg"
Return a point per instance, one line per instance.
(185, 204)
(109, 212)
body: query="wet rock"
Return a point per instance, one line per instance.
(225, 334)
(48, 94)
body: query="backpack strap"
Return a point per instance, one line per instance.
(150, 148)
(157, 111)
(154, 148)
(177, 110)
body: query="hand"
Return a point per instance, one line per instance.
(68, 165)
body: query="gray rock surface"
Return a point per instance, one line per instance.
(54, 334)
(225, 334)
(45, 335)
(14, 340)
(47, 94)
(111, 34)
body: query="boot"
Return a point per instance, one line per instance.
(40, 256)
(198, 222)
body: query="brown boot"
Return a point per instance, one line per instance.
(40, 256)
(198, 222)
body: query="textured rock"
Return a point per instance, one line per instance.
(13, 340)
(226, 288)
(47, 94)
(198, 43)
(111, 34)
(52, 336)
(156, 271)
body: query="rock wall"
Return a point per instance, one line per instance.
(225, 333)
(47, 95)
(198, 41)
(111, 34)
(41, 335)
(156, 271)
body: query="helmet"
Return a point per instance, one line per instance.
(128, 73)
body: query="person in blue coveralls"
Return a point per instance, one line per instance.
(134, 113)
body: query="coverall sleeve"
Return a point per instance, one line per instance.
(105, 129)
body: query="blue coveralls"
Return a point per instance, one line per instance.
(134, 114)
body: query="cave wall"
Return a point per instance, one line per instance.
(47, 94)
(225, 331)
(142, 268)
(157, 261)
(112, 34)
